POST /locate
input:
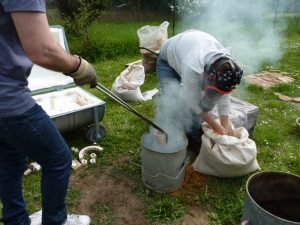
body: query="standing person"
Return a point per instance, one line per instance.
(207, 73)
(25, 129)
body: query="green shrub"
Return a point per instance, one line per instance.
(70, 8)
(78, 16)
(107, 41)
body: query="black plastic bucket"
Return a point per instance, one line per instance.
(272, 198)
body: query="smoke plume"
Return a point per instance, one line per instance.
(249, 27)
(171, 114)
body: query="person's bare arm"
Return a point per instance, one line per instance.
(213, 124)
(39, 44)
(225, 122)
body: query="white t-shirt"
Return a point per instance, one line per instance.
(188, 53)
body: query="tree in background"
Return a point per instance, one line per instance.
(78, 16)
(69, 8)
(191, 7)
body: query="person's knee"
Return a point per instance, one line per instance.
(60, 163)
(65, 158)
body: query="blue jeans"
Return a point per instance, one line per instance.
(33, 134)
(166, 74)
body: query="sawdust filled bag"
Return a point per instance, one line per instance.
(152, 37)
(127, 84)
(226, 155)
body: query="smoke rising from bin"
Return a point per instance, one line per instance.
(171, 114)
(249, 27)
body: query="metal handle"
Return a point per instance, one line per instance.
(155, 53)
(186, 162)
(103, 89)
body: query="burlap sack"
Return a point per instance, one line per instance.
(226, 155)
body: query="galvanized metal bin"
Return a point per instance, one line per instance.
(163, 166)
(70, 107)
(273, 198)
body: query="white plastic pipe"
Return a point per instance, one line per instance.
(93, 155)
(87, 149)
(34, 166)
(93, 161)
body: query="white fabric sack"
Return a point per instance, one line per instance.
(152, 37)
(127, 84)
(148, 95)
(226, 155)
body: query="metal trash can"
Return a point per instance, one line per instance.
(273, 198)
(163, 168)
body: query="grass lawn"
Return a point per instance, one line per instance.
(275, 134)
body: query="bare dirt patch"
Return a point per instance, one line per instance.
(118, 195)
(128, 208)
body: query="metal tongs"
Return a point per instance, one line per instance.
(149, 50)
(103, 89)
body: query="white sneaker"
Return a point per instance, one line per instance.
(77, 220)
(36, 218)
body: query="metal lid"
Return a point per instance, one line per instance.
(176, 143)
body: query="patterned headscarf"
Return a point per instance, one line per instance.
(223, 75)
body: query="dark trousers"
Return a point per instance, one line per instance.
(33, 135)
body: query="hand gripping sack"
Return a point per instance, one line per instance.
(226, 155)
(127, 84)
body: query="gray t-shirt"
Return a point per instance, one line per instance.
(188, 53)
(15, 66)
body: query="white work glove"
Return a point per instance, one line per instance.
(85, 74)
